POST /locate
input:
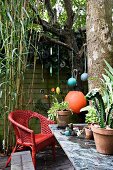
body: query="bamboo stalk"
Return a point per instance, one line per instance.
(13, 33)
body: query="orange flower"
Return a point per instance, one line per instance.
(53, 89)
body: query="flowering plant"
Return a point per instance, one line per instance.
(55, 95)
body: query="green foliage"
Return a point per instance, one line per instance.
(80, 13)
(53, 2)
(100, 108)
(103, 103)
(56, 98)
(41, 107)
(14, 49)
(16, 28)
(56, 106)
(78, 6)
(91, 116)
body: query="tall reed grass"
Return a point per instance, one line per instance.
(15, 27)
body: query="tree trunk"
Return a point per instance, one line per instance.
(99, 40)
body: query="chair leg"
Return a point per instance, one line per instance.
(34, 157)
(53, 151)
(9, 159)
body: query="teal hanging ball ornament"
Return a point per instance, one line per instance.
(84, 76)
(72, 81)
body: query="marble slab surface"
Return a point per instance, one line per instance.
(82, 152)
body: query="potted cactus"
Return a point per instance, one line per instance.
(103, 103)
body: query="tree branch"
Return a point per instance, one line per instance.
(57, 42)
(55, 29)
(70, 14)
(51, 13)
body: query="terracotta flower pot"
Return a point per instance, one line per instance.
(63, 118)
(88, 133)
(103, 140)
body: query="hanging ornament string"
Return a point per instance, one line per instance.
(51, 68)
(85, 60)
(58, 88)
(74, 73)
(84, 76)
(58, 66)
(73, 80)
(51, 51)
(42, 72)
(42, 69)
(72, 64)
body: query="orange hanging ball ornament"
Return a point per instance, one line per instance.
(76, 100)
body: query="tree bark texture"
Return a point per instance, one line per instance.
(99, 39)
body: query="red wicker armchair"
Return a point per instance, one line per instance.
(26, 137)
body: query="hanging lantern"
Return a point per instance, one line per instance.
(76, 100)
(84, 77)
(58, 90)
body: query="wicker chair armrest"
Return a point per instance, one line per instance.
(22, 127)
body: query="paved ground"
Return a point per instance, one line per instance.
(45, 162)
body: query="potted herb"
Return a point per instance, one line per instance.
(59, 110)
(103, 103)
(90, 118)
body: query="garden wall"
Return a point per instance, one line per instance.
(36, 88)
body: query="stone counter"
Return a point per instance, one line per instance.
(82, 152)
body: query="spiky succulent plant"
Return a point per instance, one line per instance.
(105, 116)
(103, 102)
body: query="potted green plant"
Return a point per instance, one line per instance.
(103, 103)
(60, 112)
(90, 118)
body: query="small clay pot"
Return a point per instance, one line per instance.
(88, 133)
(63, 118)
